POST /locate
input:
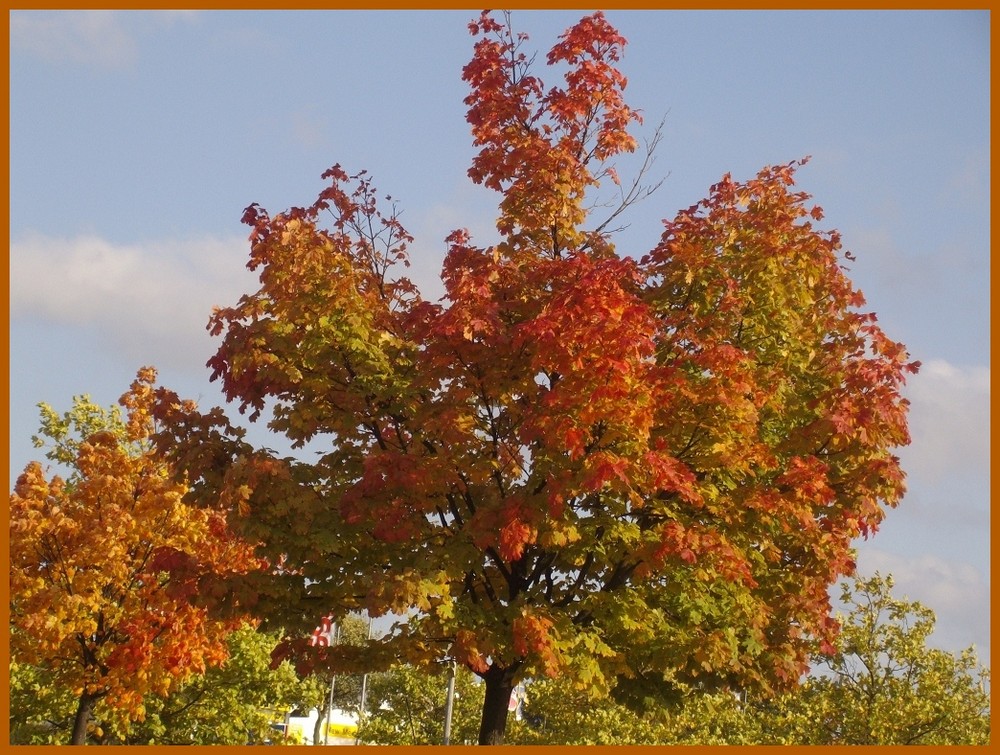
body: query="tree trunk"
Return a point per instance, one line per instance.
(83, 710)
(499, 685)
(318, 726)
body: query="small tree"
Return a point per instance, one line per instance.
(640, 473)
(407, 707)
(556, 713)
(92, 606)
(885, 685)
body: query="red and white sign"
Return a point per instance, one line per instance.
(322, 635)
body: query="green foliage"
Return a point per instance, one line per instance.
(885, 685)
(555, 713)
(406, 706)
(41, 711)
(61, 435)
(229, 705)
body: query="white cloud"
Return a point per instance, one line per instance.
(958, 593)
(99, 38)
(152, 301)
(949, 421)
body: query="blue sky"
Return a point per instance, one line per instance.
(138, 138)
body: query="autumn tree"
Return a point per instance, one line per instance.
(638, 470)
(91, 604)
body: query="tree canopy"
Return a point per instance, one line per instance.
(637, 469)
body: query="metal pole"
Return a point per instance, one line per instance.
(448, 704)
(364, 691)
(333, 679)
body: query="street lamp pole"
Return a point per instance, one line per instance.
(450, 702)
(364, 692)
(334, 632)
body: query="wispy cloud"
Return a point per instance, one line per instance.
(151, 300)
(949, 421)
(99, 38)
